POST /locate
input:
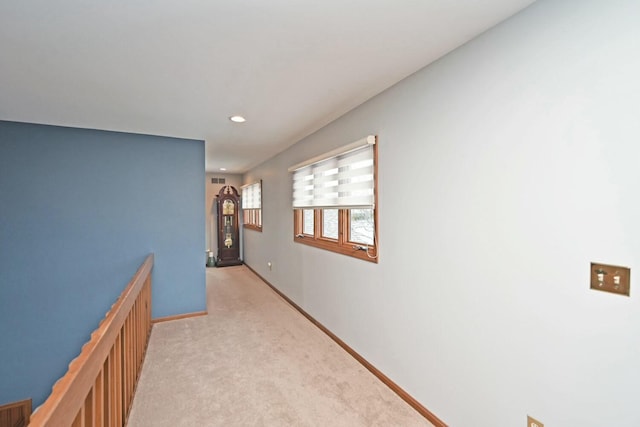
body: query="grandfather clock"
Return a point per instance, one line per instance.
(227, 207)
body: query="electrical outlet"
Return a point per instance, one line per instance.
(531, 422)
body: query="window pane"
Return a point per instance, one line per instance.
(307, 221)
(361, 228)
(330, 223)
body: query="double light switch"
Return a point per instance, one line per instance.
(610, 278)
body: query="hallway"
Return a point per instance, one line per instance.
(256, 361)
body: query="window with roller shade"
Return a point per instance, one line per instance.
(334, 200)
(252, 206)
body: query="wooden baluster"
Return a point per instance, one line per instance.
(87, 419)
(98, 398)
(78, 420)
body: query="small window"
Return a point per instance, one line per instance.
(252, 206)
(308, 222)
(334, 201)
(330, 223)
(361, 226)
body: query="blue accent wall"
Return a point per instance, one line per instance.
(79, 212)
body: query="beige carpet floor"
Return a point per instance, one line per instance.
(255, 361)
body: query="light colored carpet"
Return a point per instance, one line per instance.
(255, 361)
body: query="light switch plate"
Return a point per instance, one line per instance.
(531, 422)
(610, 278)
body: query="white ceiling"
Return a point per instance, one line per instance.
(181, 68)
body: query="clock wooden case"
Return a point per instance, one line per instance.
(227, 208)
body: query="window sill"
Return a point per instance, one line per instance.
(346, 249)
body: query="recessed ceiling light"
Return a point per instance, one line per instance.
(223, 169)
(237, 119)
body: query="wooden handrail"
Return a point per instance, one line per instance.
(98, 388)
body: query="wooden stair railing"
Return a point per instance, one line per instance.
(98, 388)
(15, 414)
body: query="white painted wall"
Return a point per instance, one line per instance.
(505, 169)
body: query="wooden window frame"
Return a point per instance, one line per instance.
(252, 219)
(342, 245)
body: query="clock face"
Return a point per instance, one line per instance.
(228, 207)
